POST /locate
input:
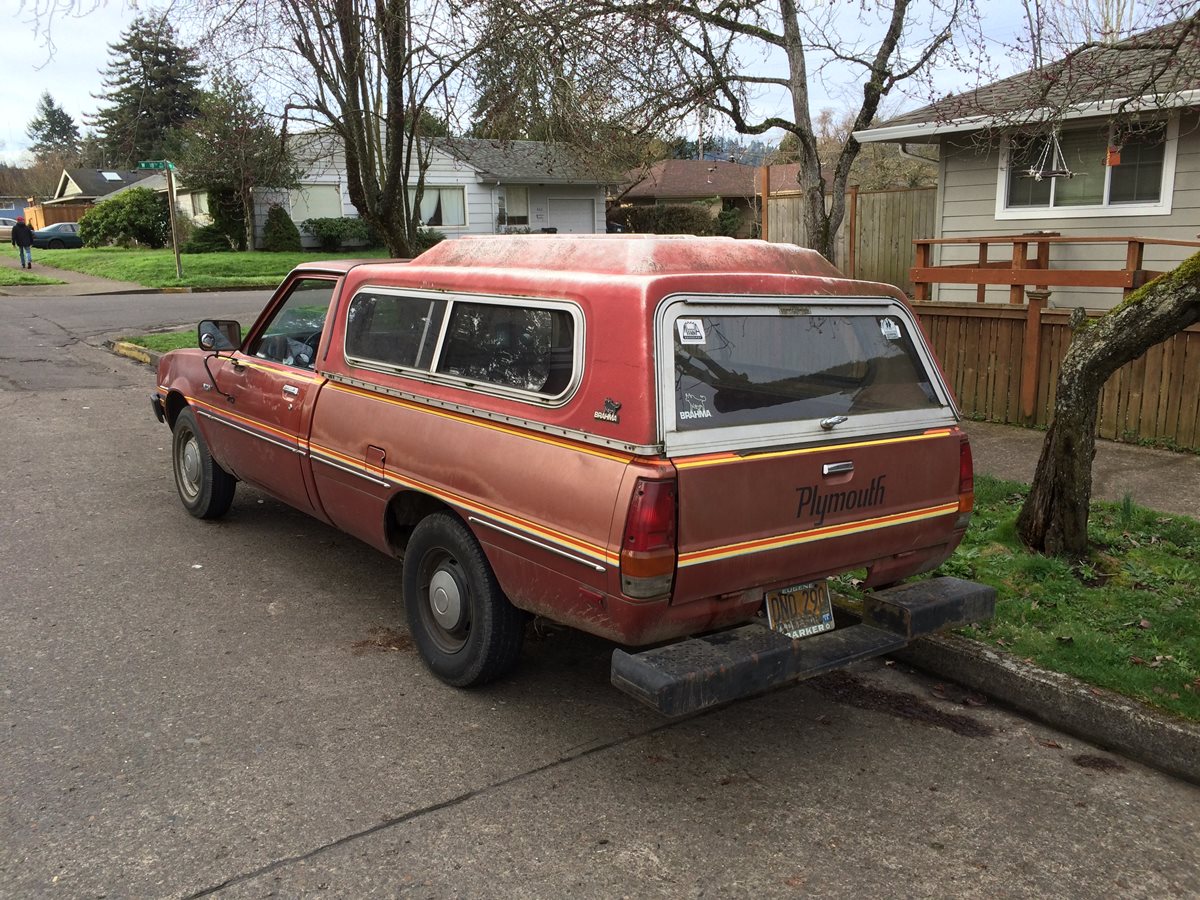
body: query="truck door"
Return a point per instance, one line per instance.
(269, 388)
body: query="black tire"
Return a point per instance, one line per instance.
(205, 489)
(464, 627)
(57, 244)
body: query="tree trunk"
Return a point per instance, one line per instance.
(1055, 515)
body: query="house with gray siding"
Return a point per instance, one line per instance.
(1070, 150)
(472, 186)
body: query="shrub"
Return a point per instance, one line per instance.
(332, 233)
(694, 218)
(729, 222)
(426, 238)
(280, 233)
(137, 216)
(208, 239)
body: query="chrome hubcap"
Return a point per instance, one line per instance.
(445, 600)
(189, 465)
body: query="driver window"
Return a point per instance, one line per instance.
(293, 334)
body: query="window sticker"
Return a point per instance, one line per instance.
(691, 331)
(890, 329)
(697, 407)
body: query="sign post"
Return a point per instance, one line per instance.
(169, 168)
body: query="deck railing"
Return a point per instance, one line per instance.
(1028, 265)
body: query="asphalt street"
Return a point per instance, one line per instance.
(234, 709)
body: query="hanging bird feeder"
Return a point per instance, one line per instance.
(1051, 164)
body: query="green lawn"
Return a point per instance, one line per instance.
(1125, 620)
(156, 268)
(10, 277)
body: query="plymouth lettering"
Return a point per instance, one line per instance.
(819, 503)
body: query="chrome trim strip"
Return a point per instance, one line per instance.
(528, 424)
(250, 431)
(521, 537)
(352, 471)
(837, 468)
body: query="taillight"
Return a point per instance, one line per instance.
(966, 482)
(648, 544)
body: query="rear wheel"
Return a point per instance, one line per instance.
(204, 487)
(465, 628)
(57, 244)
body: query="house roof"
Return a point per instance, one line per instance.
(92, 183)
(689, 179)
(534, 162)
(1156, 69)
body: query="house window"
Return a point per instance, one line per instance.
(1140, 182)
(444, 206)
(514, 205)
(315, 201)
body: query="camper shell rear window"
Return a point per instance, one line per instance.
(770, 369)
(525, 349)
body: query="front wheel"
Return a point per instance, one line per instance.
(463, 625)
(204, 487)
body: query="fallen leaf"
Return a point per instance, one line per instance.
(1053, 745)
(1159, 691)
(1174, 696)
(1136, 661)
(1145, 623)
(1065, 639)
(974, 700)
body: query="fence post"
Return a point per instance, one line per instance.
(1031, 351)
(852, 243)
(765, 176)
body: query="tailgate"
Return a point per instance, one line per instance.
(756, 519)
(812, 435)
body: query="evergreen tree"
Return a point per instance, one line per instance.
(151, 89)
(53, 132)
(230, 148)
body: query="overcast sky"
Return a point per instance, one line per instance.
(80, 50)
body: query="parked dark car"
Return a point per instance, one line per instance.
(57, 236)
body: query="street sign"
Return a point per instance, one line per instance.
(155, 164)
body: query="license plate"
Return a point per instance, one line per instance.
(801, 610)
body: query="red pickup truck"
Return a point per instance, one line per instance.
(665, 441)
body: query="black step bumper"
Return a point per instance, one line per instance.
(694, 674)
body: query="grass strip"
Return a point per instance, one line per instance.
(15, 277)
(1123, 619)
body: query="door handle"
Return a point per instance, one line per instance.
(291, 390)
(837, 468)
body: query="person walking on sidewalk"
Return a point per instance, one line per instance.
(22, 239)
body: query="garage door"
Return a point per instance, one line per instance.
(573, 216)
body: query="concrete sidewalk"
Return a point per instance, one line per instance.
(1157, 479)
(75, 284)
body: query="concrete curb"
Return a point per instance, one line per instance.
(134, 352)
(1101, 717)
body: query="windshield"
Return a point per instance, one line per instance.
(747, 369)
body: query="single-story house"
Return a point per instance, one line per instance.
(89, 186)
(472, 186)
(718, 185)
(1065, 149)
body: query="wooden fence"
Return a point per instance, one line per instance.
(875, 241)
(40, 216)
(1002, 362)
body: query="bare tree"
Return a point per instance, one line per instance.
(375, 75)
(726, 56)
(1054, 517)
